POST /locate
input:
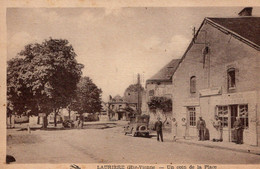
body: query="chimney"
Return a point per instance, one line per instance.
(247, 11)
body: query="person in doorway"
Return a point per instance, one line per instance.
(184, 127)
(201, 126)
(158, 128)
(174, 128)
(238, 130)
(218, 126)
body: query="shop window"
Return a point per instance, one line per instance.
(240, 111)
(193, 84)
(243, 114)
(151, 93)
(192, 115)
(231, 73)
(222, 113)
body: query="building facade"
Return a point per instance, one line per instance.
(219, 75)
(160, 85)
(118, 109)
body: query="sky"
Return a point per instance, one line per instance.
(114, 44)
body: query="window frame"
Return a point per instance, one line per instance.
(151, 92)
(231, 79)
(224, 117)
(192, 116)
(227, 115)
(244, 120)
(193, 84)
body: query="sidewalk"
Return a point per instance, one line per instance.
(222, 145)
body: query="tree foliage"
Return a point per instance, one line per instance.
(161, 103)
(44, 77)
(134, 88)
(88, 97)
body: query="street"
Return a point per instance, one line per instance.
(108, 144)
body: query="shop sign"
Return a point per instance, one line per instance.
(210, 92)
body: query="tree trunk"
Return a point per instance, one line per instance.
(45, 122)
(11, 121)
(69, 113)
(55, 118)
(38, 120)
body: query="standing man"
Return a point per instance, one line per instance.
(158, 128)
(238, 130)
(201, 126)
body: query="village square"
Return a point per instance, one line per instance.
(192, 97)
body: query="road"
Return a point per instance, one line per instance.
(110, 145)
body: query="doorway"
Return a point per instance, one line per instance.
(120, 115)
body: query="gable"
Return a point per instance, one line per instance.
(166, 73)
(246, 29)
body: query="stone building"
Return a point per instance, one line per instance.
(160, 85)
(118, 108)
(219, 75)
(131, 95)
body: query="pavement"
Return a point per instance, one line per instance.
(220, 145)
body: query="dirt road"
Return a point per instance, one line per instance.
(110, 145)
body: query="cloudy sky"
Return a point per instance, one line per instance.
(113, 44)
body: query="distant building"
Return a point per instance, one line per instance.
(131, 95)
(117, 108)
(219, 75)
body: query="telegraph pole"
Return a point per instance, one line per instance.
(139, 94)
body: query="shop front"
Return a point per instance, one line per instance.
(227, 107)
(242, 105)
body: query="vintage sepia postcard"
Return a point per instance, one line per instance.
(130, 86)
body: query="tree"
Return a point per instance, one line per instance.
(88, 97)
(44, 77)
(134, 88)
(160, 103)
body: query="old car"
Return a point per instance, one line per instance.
(90, 117)
(68, 123)
(138, 126)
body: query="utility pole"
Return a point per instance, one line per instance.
(139, 94)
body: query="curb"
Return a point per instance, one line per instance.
(251, 151)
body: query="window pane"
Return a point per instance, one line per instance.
(192, 116)
(151, 92)
(193, 84)
(222, 113)
(243, 114)
(231, 78)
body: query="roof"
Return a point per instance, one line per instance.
(166, 73)
(117, 99)
(248, 28)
